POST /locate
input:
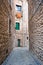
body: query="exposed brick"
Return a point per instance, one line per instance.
(36, 28)
(5, 43)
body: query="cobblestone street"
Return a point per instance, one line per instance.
(21, 56)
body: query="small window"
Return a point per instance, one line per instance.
(7, 51)
(27, 38)
(18, 7)
(17, 27)
(9, 25)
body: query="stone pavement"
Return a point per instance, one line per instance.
(21, 56)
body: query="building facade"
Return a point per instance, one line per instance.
(21, 35)
(36, 27)
(5, 29)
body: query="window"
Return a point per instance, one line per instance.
(6, 50)
(27, 38)
(18, 7)
(17, 27)
(9, 25)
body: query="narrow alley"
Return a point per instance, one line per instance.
(21, 56)
(21, 32)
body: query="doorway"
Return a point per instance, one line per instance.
(18, 42)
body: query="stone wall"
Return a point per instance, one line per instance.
(36, 28)
(5, 35)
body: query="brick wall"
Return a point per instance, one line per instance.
(5, 43)
(36, 28)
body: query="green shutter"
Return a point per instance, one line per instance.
(17, 26)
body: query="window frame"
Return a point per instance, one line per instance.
(17, 26)
(18, 8)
